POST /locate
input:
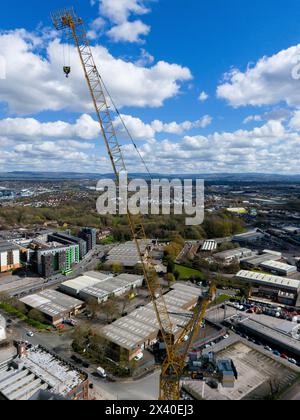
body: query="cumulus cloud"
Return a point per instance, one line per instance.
(129, 31)
(272, 80)
(143, 131)
(96, 28)
(239, 151)
(203, 96)
(119, 12)
(270, 148)
(35, 83)
(85, 128)
(277, 114)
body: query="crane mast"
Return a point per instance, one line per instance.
(172, 368)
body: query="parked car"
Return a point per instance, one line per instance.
(101, 372)
(293, 361)
(30, 334)
(213, 384)
(284, 356)
(268, 348)
(276, 353)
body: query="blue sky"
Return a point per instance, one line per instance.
(156, 57)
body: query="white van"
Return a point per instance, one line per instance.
(139, 357)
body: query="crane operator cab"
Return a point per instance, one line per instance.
(67, 71)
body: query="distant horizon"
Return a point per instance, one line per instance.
(154, 173)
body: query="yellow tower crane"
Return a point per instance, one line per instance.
(176, 348)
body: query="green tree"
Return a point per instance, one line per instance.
(36, 316)
(110, 309)
(170, 278)
(116, 268)
(93, 307)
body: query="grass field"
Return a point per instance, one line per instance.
(186, 273)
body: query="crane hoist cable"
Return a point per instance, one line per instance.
(66, 58)
(126, 129)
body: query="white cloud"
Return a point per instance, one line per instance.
(35, 84)
(203, 96)
(142, 131)
(268, 149)
(119, 12)
(295, 121)
(145, 59)
(129, 31)
(270, 81)
(277, 114)
(85, 128)
(96, 28)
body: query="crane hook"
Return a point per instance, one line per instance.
(67, 71)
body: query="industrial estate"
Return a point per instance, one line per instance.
(120, 307)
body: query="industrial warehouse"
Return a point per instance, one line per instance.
(127, 254)
(209, 245)
(131, 335)
(94, 285)
(233, 255)
(279, 289)
(279, 268)
(38, 374)
(56, 307)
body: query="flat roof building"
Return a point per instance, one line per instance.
(278, 333)
(9, 257)
(256, 260)
(55, 306)
(127, 254)
(66, 239)
(209, 246)
(279, 289)
(248, 237)
(101, 286)
(278, 267)
(232, 255)
(36, 370)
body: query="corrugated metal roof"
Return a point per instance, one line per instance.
(276, 265)
(210, 245)
(136, 328)
(269, 279)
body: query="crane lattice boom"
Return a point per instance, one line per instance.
(172, 368)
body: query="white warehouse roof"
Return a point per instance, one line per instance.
(276, 265)
(210, 245)
(269, 280)
(82, 282)
(101, 286)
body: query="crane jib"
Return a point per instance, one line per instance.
(173, 366)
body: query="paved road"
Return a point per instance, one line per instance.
(292, 394)
(26, 286)
(144, 389)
